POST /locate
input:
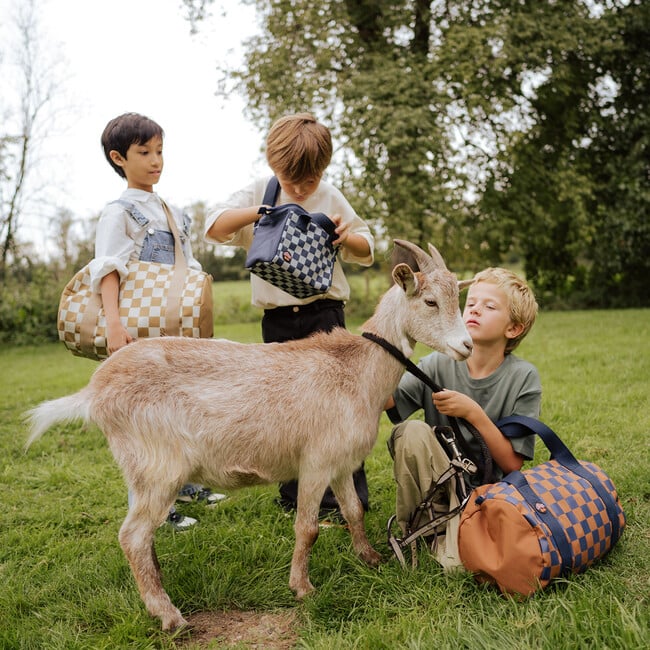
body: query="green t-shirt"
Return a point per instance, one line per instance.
(514, 388)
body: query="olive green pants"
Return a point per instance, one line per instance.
(419, 460)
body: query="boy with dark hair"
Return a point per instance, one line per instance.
(298, 151)
(135, 227)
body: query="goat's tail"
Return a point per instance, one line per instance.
(64, 409)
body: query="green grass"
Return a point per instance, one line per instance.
(66, 584)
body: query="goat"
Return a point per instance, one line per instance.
(177, 410)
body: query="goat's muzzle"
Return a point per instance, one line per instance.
(461, 351)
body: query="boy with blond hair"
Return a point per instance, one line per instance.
(298, 151)
(491, 384)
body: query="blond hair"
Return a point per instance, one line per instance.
(521, 299)
(298, 147)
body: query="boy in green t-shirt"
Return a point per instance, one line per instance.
(491, 384)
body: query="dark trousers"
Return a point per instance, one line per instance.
(297, 322)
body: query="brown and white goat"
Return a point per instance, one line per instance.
(226, 414)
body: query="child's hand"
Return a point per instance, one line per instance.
(117, 336)
(454, 404)
(342, 230)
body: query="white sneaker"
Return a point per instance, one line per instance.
(180, 522)
(204, 495)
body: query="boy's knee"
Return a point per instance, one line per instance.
(410, 438)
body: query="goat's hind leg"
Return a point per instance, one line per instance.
(310, 493)
(352, 510)
(137, 541)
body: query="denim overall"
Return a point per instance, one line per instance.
(158, 245)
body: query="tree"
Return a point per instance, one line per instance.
(489, 127)
(620, 163)
(415, 120)
(24, 115)
(575, 188)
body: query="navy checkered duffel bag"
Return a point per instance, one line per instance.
(532, 526)
(292, 248)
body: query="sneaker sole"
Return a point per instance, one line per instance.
(212, 502)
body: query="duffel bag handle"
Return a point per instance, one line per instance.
(516, 426)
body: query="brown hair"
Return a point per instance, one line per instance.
(299, 147)
(521, 299)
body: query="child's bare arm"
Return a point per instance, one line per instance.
(116, 334)
(357, 244)
(232, 220)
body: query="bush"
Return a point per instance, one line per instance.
(28, 306)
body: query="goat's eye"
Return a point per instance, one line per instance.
(431, 303)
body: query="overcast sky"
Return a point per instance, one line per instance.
(139, 55)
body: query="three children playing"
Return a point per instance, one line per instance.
(500, 307)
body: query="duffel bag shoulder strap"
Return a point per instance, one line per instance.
(179, 255)
(516, 426)
(177, 281)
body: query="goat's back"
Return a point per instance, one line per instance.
(251, 408)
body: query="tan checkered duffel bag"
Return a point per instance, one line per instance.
(155, 300)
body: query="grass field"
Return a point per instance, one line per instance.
(66, 584)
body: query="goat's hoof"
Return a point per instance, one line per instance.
(173, 622)
(371, 557)
(303, 591)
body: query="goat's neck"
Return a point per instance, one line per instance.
(389, 323)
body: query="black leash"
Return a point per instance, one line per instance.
(486, 465)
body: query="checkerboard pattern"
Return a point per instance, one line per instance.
(142, 306)
(303, 263)
(574, 503)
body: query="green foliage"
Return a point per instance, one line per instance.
(492, 128)
(224, 267)
(29, 299)
(574, 190)
(66, 583)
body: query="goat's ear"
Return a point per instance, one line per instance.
(463, 284)
(404, 276)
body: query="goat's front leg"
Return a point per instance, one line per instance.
(310, 493)
(346, 495)
(136, 538)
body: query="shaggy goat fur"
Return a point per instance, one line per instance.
(178, 410)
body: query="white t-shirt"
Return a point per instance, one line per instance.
(326, 199)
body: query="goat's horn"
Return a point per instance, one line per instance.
(426, 263)
(437, 257)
